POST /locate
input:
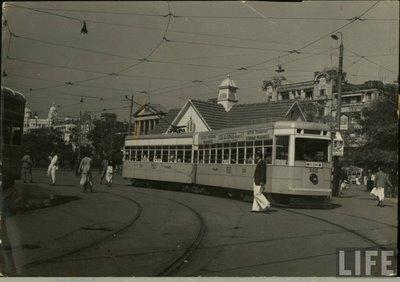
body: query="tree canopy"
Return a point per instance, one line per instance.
(107, 138)
(42, 141)
(379, 129)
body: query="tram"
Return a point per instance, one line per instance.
(12, 120)
(298, 155)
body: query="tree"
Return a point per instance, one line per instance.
(41, 142)
(107, 138)
(379, 131)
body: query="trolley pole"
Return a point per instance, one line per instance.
(130, 113)
(336, 175)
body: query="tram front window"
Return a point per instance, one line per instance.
(311, 150)
(282, 147)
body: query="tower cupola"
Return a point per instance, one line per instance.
(227, 93)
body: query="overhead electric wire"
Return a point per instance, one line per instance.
(320, 38)
(202, 16)
(186, 32)
(41, 11)
(372, 62)
(73, 47)
(306, 45)
(232, 46)
(341, 27)
(122, 70)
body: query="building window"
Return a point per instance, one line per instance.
(322, 92)
(309, 95)
(190, 126)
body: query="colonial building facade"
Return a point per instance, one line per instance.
(322, 91)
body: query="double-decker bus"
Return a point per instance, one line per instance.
(12, 105)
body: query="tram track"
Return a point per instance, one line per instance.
(352, 231)
(174, 266)
(92, 244)
(303, 207)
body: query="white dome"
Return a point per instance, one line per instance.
(228, 82)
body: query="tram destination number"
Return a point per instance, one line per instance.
(313, 170)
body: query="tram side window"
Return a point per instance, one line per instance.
(16, 134)
(225, 157)
(145, 154)
(133, 153)
(219, 155)
(179, 154)
(127, 153)
(172, 154)
(158, 153)
(165, 154)
(139, 153)
(241, 156)
(212, 154)
(282, 147)
(201, 155)
(234, 153)
(6, 131)
(206, 155)
(188, 154)
(151, 153)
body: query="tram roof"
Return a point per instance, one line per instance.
(12, 93)
(160, 136)
(276, 125)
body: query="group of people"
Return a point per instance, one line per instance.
(85, 169)
(376, 183)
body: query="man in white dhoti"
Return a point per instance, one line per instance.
(109, 173)
(260, 202)
(53, 167)
(85, 169)
(381, 182)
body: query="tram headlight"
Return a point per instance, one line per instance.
(314, 178)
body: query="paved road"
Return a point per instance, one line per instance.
(209, 236)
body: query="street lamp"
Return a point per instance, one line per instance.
(338, 113)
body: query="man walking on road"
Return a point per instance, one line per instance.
(381, 182)
(26, 167)
(53, 167)
(85, 169)
(260, 203)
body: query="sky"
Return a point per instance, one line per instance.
(49, 60)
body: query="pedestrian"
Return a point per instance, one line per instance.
(104, 165)
(109, 173)
(85, 170)
(381, 182)
(26, 167)
(53, 167)
(260, 202)
(343, 180)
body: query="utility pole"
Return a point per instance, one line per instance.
(336, 175)
(130, 112)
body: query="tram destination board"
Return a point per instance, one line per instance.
(245, 135)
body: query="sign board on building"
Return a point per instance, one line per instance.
(338, 145)
(344, 122)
